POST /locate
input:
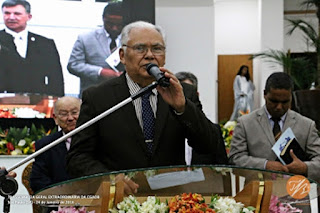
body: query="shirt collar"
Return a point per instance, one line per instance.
(23, 34)
(282, 118)
(108, 35)
(134, 87)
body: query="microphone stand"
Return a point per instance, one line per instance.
(8, 188)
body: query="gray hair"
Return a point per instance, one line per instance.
(139, 24)
(12, 3)
(182, 76)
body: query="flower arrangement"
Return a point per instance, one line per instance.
(189, 203)
(278, 207)
(72, 210)
(132, 205)
(23, 112)
(21, 141)
(184, 203)
(227, 133)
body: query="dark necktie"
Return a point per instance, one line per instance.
(276, 127)
(148, 121)
(113, 44)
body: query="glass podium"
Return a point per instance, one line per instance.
(252, 187)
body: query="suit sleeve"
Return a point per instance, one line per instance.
(78, 65)
(239, 153)
(40, 177)
(202, 135)
(313, 151)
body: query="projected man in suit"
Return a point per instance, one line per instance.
(253, 136)
(50, 166)
(91, 49)
(120, 140)
(29, 63)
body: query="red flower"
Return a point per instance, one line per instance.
(10, 146)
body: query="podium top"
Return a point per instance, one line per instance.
(206, 180)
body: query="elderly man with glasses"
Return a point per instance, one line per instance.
(125, 139)
(50, 166)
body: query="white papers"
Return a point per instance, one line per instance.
(114, 59)
(281, 143)
(170, 179)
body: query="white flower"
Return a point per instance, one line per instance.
(131, 205)
(22, 142)
(228, 205)
(230, 124)
(16, 152)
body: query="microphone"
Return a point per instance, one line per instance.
(154, 70)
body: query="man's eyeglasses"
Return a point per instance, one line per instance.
(142, 49)
(66, 114)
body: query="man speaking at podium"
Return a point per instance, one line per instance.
(148, 132)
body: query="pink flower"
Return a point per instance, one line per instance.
(277, 207)
(72, 210)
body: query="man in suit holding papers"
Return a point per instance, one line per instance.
(253, 136)
(91, 49)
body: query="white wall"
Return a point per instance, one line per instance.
(190, 35)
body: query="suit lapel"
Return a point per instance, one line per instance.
(32, 45)
(265, 125)
(103, 40)
(290, 121)
(7, 40)
(121, 92)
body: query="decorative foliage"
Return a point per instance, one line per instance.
(21, 141)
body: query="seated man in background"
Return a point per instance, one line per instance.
(149, 132)
(50, 166)
(192, 157)
(255, 133)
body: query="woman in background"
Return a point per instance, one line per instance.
(243, 93)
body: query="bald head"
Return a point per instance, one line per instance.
(66, 112)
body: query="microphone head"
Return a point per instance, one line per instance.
(149, 66)
(154, 70)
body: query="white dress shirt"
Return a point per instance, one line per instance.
(20, 40)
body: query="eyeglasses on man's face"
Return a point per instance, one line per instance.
(142, 49)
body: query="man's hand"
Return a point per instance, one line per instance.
(173, 94)
(130, 187)
(105, 72)
(297, 166)
(10, 174)
(276, 166)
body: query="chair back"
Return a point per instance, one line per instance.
(26, 182)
